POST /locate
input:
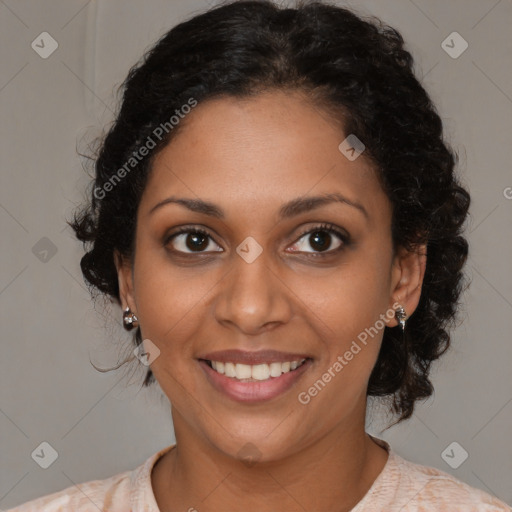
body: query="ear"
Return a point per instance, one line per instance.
(125, 279)
(408, 271)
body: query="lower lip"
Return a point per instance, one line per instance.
(257, 391)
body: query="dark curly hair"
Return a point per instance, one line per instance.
(358, 71)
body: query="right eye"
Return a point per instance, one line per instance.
(190, 240)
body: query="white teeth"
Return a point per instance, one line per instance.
(243, 371)
(229, 370)
(256, 372)
(275, 369)
(261, 371)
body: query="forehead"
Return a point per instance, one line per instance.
(257, 153)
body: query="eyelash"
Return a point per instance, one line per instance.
(326, 227)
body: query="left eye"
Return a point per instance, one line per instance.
(320, 239)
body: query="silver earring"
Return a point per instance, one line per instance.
(401, 317)
(130, 320)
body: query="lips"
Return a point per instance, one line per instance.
(259, 387)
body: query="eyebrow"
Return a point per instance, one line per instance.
(287, 210)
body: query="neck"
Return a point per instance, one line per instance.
(333, 473)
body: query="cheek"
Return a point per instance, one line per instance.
(352, 297)
(169, 306)
(169, 299)
(348, 304)
(347, 307)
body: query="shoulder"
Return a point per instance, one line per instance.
(406, 486)
(433, 489)
(125, 491)
(110, 494)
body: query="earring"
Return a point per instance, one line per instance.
(130, 320)
(401, 317)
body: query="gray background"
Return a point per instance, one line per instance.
(102, 423)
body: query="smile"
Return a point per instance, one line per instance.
(256, 372)
(253, 383)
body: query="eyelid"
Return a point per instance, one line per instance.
(188, 228)
(326, 226)
(193, 228)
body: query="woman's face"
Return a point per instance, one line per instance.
(268, 275)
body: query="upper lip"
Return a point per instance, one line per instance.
(252, 358)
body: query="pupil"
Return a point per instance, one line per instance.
(195, 244)
(322, 242)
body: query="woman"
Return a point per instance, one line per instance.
(277, 214)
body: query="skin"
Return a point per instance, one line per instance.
(249, 157)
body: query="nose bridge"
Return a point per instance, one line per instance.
(252, 296)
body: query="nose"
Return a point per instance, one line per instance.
(253, 297)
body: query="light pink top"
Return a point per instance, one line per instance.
(401, 486)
